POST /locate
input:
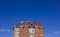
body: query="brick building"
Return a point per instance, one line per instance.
(28, 29)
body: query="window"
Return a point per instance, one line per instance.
(41, 34)
(31, 26)
(26, 25)
(31, 35)
(16, 34)
(16, 29)
(31, 30)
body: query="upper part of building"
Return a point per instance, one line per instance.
(25, 24)
(28, 29)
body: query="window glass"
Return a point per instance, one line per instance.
(31, 30)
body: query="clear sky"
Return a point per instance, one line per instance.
(14, 11)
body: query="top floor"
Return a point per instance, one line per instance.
(26, 24)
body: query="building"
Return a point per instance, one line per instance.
(28, 29)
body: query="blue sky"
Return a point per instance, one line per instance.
(46, 12)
